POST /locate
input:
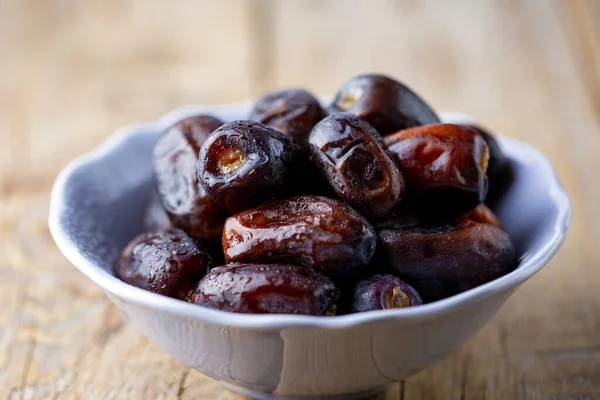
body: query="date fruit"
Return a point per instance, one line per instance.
(499, 171)
(164, 262)
(383, 102)
(433, 290)
(175, 159)
(257, 197)
(457, 255)
(444, 166)
(309, 230)
(382, 292)
(244, 163)
(266, 289)
(347, 152)
(497, 161)
(290, 111)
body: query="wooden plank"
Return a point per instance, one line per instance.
(73, 73)
(581, 22)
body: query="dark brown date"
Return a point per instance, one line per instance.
(444, 166)
(175, 161)
(454, 256)
(244, 163)
(383, 292)
(499, 171)
(346, 151)
(267, 289)
(294, 112)
(432, 290)
(310, 230)
(383, 102)
(165, 262)
(290, 111)
(497, 162)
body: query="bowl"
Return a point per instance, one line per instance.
(97, 207)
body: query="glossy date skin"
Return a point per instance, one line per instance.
(444, 259)
(165, 262)
(384, 292)
(267, 289)
(445, 167)
(348, 153)
(383, 102)
(309, 230)
(175, 160)
(293, 112)
(244, 163)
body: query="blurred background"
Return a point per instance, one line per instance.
(71, 72)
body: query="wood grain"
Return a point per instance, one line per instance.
(74, 71)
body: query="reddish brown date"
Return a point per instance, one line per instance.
(310, 230)
(383, 102)
(175, 160)
(290, 111)
(346, 151)
(455, 256)
(267, 289)
(444, 166)
(383, 292)
(244, 163)
(165, 262)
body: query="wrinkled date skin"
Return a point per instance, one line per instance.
(347, 152)
(309, 230)
(383, 292)
(451, 258)
(244, 163)
(165, 262)
(290, 111)
(267, 289)
(383, 102)
(444, 166)
(175, 161)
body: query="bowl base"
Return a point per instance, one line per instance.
(252, 394)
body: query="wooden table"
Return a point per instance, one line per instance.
(71, 72)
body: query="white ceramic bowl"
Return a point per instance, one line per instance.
(97, 206)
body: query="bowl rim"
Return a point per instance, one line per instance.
(121, 290)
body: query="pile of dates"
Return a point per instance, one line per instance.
(371, 203)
